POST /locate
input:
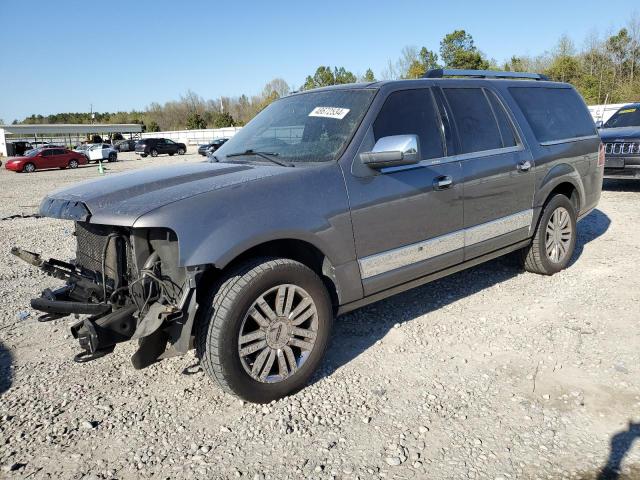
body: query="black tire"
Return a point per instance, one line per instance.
(29, 168)
(113, 157)
(222, 315)
(181, 151)
(143, 155)
(73, 163)
(171, 154)
(536, 258)
(154, 153)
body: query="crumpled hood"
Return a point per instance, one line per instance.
(121, 199)
(620, 133)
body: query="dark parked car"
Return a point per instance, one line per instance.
(43, 158)
(211, 147)
(18, 148)
(158, 146)
(396, 183)
(621, 138)
(126, 145)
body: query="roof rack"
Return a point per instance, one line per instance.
(446, 72)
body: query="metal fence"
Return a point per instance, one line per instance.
(195, 137)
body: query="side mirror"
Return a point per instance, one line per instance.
(599, 124)
(393, 151)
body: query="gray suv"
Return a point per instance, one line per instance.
(328, 200)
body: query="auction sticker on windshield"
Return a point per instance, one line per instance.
(329, 112)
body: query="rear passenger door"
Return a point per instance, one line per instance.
(407, 220)
(497, 171)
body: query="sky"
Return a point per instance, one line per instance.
(64, 55)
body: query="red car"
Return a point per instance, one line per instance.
(46, 158)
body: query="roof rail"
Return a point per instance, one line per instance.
(446, 72)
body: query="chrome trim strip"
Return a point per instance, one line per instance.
(568, 140)
(454, 158)
(400, 257)
(495, 228)
(403, 256)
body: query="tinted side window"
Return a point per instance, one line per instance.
(411, 112)
(554, 113)
(506, 128)
(474, 118)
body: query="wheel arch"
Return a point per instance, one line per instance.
(296, 249)
(562, 178)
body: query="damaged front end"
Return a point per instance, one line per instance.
(127, 284)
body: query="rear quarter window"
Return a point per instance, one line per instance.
(554, 114)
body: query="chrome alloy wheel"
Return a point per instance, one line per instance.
(558, 235)
(278, 333)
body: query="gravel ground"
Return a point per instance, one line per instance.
(490, 373)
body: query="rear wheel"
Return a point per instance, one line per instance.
(181, 151)
(29, 168)
(143, 155)
(171, 154)
(265, 330)
(154, 153)
(73, 163)
(555, 238)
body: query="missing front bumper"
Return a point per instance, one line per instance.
(156, 324)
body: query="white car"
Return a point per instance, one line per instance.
(101, 151)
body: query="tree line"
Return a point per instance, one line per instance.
(605, 69)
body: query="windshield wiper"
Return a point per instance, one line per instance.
(266, 155)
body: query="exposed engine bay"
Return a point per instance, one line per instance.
(127, 285)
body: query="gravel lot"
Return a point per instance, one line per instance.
(491, 373)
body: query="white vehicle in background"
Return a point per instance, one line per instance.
(101, 151)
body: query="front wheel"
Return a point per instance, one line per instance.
(143, 155)
(154, 153)
(29, 168)
(264, 330)
(555, 238)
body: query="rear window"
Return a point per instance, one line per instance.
(554, 114)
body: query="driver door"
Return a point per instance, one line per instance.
(407, 220)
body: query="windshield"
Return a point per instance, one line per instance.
(625, 117)
(310, 127)
(32, 153)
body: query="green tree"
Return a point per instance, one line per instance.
(454, 42)
(343, 76)
(324, 77)
(515, 64)
(195, 121)
(223, 120)
(153, 126)
(368, 76)
(458, 50)
(427, 60)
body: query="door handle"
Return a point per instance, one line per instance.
(524, 166)
(442, 183)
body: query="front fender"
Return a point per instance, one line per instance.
(215, 227)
